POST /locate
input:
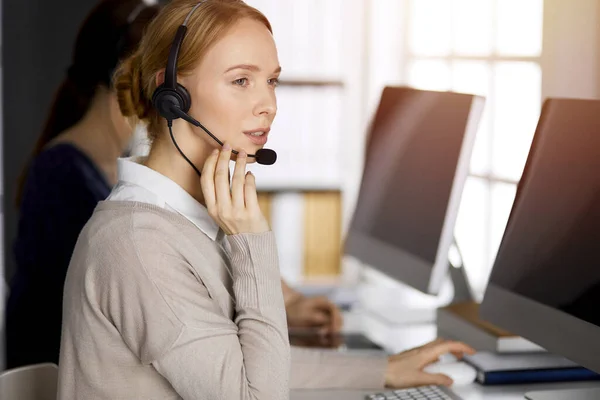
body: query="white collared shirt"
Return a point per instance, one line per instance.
(137, 182)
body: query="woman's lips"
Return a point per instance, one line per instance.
(257, 139)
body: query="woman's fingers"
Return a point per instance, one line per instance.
(234, 206)
(207, 181)
(222, 188)
(239, 181)
(250, 194)
(445, 347)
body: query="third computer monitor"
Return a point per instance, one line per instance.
(545, 282)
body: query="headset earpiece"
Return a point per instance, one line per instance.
(164, 98)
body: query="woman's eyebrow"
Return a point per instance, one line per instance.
(250, 67)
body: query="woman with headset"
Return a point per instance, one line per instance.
(73, 166)
(174, 290)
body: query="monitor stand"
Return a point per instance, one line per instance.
(458, 276)
(427, 314)
(565, 394)
(460, 319)
(462, 289)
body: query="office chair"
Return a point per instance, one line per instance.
(31, 382)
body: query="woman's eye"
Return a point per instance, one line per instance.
(240, 81)
(274, 82)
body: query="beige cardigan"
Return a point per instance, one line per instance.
(154, 309)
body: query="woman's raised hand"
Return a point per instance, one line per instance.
(234, 208)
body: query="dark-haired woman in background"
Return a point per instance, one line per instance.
(72, 168)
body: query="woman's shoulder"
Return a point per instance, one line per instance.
(145, 214)
(62, 174)
(63, 157)
(147, 228)
(138, 218)
(123, 231)
(115, 227)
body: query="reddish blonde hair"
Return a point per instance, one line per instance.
(135, 79)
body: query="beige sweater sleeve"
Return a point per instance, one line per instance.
(323, 369)
(185, 336)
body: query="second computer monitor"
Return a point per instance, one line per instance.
(545, 283)
(417, 161)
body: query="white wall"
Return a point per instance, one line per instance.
(571, 55)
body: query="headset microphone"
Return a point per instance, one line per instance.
(172, 100)
(262, 156)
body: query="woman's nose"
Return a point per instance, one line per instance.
(266, 103)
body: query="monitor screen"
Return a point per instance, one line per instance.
(417, 157)
(545, 283)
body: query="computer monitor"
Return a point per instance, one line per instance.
(416, 165)
(545, 282)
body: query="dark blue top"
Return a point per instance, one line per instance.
(62, 189)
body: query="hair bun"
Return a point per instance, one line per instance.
(130, 89)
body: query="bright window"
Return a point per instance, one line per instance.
(492, 48)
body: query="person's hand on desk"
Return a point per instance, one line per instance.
(310, 312)
(313, 312)
(407, 369)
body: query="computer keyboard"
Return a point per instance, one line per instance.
(420, 393)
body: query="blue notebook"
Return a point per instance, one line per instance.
(503, 369)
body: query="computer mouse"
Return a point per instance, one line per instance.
(460, 372)
(447, 358)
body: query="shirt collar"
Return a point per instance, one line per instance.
(131, 171)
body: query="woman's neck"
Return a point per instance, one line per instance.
(165, 159)
(96, 135)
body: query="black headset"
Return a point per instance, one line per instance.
(172, 100)
(171, 94)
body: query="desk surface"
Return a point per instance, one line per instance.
(398, 338)
(471, 392)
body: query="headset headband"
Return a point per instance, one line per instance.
(171, 70)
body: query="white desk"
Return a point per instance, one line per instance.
(471, 392)
(399, 338)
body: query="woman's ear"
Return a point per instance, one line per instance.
(160, 77)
